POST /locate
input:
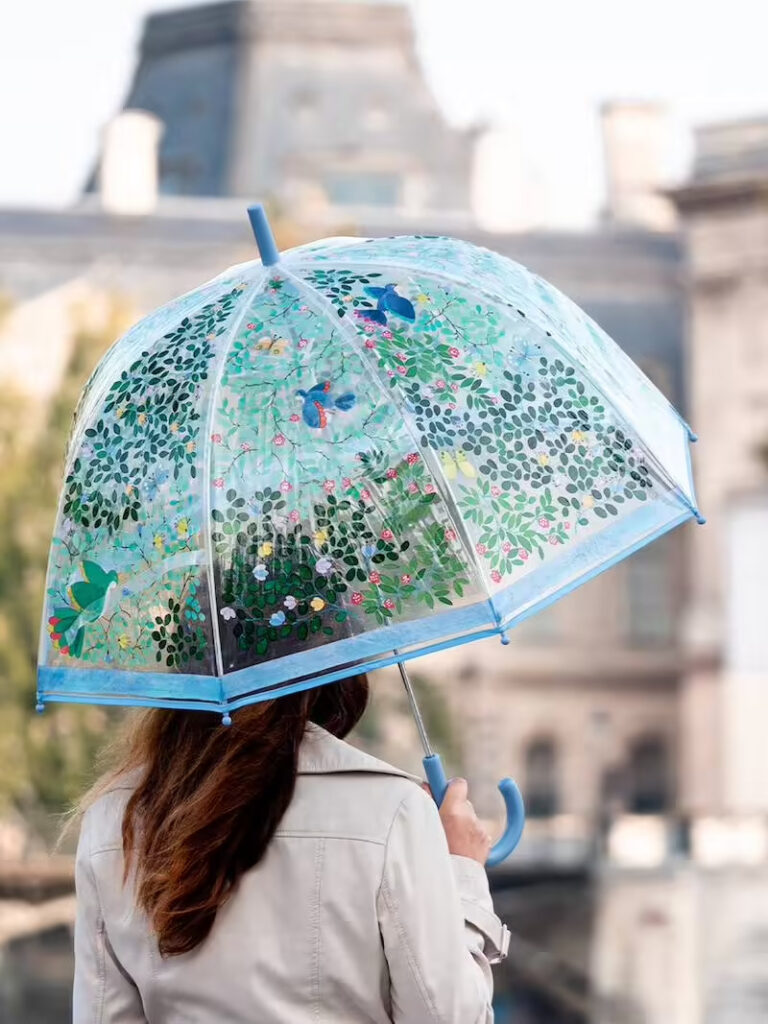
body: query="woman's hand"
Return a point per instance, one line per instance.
(466, 836)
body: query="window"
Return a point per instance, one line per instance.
(648, 776)
(364, 189)
(541, 795)
(649, 605)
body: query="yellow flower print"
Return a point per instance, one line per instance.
(588, 501)
(159, 541)
(120, 412)
(182, 527)
(266, 549)
(320, 537)
(480, 368)
(174, 428)
(578, 435)
(129, 489)
(317, 604)
(543, 460)
(142, 418)
(422, 299)
(123, 641)
(190, 447)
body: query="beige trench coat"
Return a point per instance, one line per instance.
(357, 914)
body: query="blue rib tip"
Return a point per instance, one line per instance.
(39, 707)
(700, 519)
(504, 639)
(265, 240)
(691, 436)
(226, 719)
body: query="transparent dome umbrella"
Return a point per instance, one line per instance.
(337, 459)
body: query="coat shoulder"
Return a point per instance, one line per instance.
(349, 805)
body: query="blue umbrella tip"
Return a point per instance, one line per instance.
(226, 719)
(504, 639)
(39, 707)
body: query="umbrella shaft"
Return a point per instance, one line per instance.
(415, 709)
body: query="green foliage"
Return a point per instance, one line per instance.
(45, 760)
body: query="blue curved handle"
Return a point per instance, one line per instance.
(438, 783)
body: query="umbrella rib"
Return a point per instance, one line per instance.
(487, 293)
(348, 332)
(247, 297)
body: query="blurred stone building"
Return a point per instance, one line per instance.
(631, 712)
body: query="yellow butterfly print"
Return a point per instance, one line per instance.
(455, 463)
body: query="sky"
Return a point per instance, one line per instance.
(536, 71)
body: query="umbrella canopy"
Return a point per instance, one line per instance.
(362, 452)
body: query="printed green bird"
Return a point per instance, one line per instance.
(88, 600)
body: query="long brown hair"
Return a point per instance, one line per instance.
(210, 797)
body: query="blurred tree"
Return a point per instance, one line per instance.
(45, 759)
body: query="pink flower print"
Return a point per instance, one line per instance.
(387, 535)
(401, 356)
(303, 342)
(496, 491)
(506, 547)
(368, 328)
(413, 487)
(454, 387)
(451, 406)
(481, 549)
(357, 598)
(544, 522)
(391, 474)
(375, 578)
(365, 494)
(402, 370)
(496, 576)
(450, 535)
(567, 526)
(245, 446)
(387, 335)
(329, 486)
(554, 539)
(346, 483)
(286, 486)
(455, 352)
(390, 373)
(370, 343)
(295, 417)
(218, 482)
(251, 327)
(522, 553)
(216, 438)
(405, 579)
(303, 309)
(389, 604)
(430, 489)
(440, 385)
(279, 440)
(495, 399)
(294, 515)
(412, 458)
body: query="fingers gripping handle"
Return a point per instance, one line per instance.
(438, 783)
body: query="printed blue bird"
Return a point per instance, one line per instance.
(319, 401)
(387, 301)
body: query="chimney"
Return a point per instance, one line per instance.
(635, 150)
(128, 176)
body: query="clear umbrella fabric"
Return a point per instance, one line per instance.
(370, 450)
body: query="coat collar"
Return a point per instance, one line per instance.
(321, 753)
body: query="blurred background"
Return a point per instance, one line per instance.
(633, 713)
